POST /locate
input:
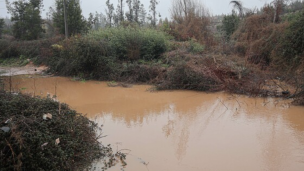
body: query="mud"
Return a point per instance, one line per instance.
(26, 70)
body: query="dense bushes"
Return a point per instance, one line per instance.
(65, 140)
(191, 77)
(26, 49)
(256, 37)
(264, 42)
(229, 25)
(191, 20)
(80, 56)
(101, 54)
(132, 43)
(290, 50)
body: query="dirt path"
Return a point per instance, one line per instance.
(29, 69)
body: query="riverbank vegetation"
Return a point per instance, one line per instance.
(252, 52)
(42, 134)
(240, 54)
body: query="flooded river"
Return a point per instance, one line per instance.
(185, 130)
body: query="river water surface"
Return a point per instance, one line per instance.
(185, 130)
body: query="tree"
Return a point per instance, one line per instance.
(1, 26)
(152, 17)
(26, 18)
(289, 52)
(190, 19)
(278, 6)
(230, 24)
(93, 21)
(129, 14)
(119, 11)
(136, 9)
(109, 13)
(75, 21)
(142, 14)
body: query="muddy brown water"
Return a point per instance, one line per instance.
(185, 130)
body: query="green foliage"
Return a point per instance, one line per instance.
(110, 13)
(83, 57)
(165, 27)
(30, 142)
(75, 21)
(28, 49)
(1, 26)
(290, 51)
(195, 47)
(152, 17)
(230, 24)
(26, 15)
(291, 17)
(132, 43)
(105, 54)
(293, 6)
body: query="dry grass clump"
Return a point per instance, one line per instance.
(41, 134)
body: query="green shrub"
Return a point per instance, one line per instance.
(98, 55)
(133, 43)
(290, 51)
(229, 25)
(29, 142)
(84, 57)
(196, 47)
(28, 49)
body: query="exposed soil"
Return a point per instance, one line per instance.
(29, 69)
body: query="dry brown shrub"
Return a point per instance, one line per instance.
(191, 20)
(214, 72)
(257, 37)
(140, 73)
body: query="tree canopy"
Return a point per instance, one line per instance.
(26, 15)
(75, 21)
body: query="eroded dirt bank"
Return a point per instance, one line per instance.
(25, 70)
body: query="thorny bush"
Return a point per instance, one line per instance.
(66, 141)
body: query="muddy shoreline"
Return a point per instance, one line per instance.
(25, 70)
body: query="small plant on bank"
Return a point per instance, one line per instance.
(196, 47)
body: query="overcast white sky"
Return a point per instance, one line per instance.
(215, 6)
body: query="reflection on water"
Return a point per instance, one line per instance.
(186, 130)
